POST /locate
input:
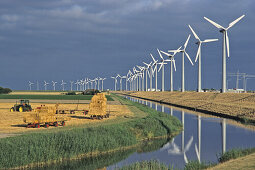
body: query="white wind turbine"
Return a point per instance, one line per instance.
(71, 82)
(184, 53)
(45, 85)
(98, 84)
(77, 85)
(162, 63)
(225, 44)
(146, 73)
(123, 77)
(63, 85)
(198, 56)
(103, 83)
(30, 85)
(142, 69)
(155, 64)
(115, 82)
(172, 64)
(54, 85)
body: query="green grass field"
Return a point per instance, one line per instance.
(51, 97)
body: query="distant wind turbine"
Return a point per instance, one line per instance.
(184, 53)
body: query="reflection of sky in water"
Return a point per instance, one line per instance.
(189, 145)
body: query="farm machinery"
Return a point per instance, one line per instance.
(44, 116)
(97, 107)
(22, 106)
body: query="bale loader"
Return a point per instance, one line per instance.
(44, 116)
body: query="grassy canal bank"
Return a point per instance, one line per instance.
(88, 141)
(238, 106)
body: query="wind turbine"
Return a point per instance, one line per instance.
(172, 64)
(225, 44)
(198, 56)
(115, 82)
(54, 85)
(163, 70)
(45, 85)
(71, 82)
(77, 85)
(142, 69)
(155, 64)
(98, 79)
(147, 71)
(184, 53)
(103, 83)
(95, 80)
(63, 85)
(30, 85)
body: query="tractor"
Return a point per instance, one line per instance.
(23, 106)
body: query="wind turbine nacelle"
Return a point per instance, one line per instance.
(222, 30)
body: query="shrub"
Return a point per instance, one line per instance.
(5, 90)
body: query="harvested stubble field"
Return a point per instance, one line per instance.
(12, 122)
(241, 105)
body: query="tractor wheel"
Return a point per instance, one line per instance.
(37, 126)
(46, 125)
(12, 109)
(20, 109)
(63, 123)
(56, 124)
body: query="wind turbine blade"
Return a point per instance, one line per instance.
(160, 54)
(165, 53)
(195, 35)
(185, 158)
(214, 23)
(186, 43)
(152, 58)
(235, 21)
(188, 57)
(145, 63)
(197, 153)
(174, 64)
(209, 40)
(198, 51)
(154, 69)
(174, 51)
(227, 40)
(161, 65)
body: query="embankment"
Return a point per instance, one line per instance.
(238, 106)
(68, 143)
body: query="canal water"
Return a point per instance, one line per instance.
(204, 138)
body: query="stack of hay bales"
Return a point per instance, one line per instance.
(97, 106)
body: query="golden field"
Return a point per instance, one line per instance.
(12, 122)
(234, 104)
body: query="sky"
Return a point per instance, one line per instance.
(56, 40)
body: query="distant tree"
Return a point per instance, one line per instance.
(5, 90)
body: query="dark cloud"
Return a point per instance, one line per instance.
(74, 39)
